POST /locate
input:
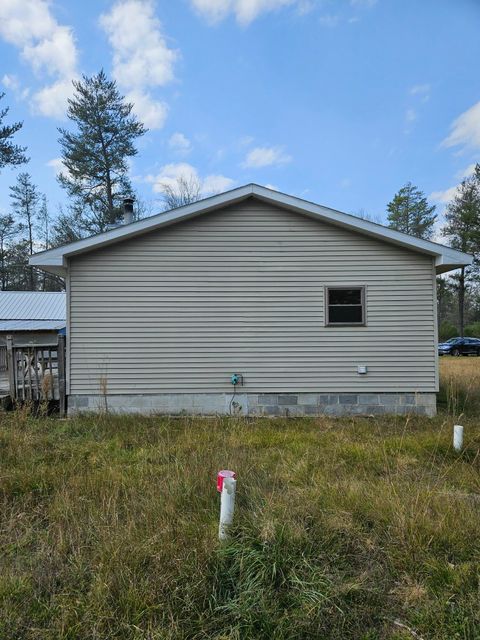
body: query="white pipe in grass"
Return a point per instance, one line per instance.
(457, 437)
(226, 484)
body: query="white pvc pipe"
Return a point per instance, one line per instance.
(227, 507)
(457, 437)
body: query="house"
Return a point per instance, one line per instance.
(32, 317)
(315, 310)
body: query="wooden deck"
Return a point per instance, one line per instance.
(34, 373)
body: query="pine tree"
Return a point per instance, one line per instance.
(445, 297)
(10, 154)
(25, 197)
(410, 212)
(18, 267)
(463, 231)
(8, 229)
(95, 155)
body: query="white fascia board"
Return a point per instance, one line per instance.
(446, 258)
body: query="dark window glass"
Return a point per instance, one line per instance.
(345, 306)
(344, 296)
(349, 315)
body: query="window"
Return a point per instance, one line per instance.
(345, 306)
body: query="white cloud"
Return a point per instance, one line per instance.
(419, 89)
(51, 101)
(410, 116)
(305, 7)
(329, 20)
(152, 113)
(465, 130)
(57, 165)
(142, 59)
(420, 92)
(56, 54)
(273, 187)
(245, 11)
(443, 196)
(246, 141)
(216, 184)
(363, 3)
(467, 172)
(48, 47)
(265, 157)
(213, 10)
(12, 83)
(25, 21)
(169, 174)
(180, 143)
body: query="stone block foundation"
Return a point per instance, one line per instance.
(260, 404)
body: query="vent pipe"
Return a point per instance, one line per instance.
(127, 210)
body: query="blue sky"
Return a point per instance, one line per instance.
(337, 101)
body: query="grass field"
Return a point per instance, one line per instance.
(347, 529)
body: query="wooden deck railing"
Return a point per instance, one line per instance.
(3, 359)
(36, 373)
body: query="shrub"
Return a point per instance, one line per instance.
(447, 330)
(473, 330)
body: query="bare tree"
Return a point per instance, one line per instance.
(44, 223)
(185, 190)
(361, 213)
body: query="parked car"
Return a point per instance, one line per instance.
(460, 347)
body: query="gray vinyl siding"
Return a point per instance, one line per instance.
(242, 290)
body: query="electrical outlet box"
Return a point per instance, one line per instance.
(362, 369)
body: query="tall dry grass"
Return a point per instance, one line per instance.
(460, 385)
(344, 529)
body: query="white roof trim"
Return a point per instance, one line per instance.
(446, 258)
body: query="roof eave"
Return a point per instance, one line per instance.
(451, 261)
(55, 264)
(56, 260)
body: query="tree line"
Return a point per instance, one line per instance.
(95, 152)
(458, 294)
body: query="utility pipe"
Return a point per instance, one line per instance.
(457, 437)
(226, 485)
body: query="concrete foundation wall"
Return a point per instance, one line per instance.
(263, 404)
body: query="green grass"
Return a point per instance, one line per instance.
(343, 529)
